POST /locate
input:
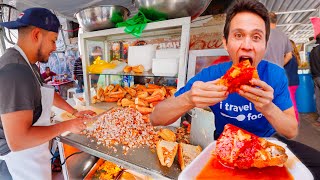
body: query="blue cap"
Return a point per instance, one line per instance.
(38, 17)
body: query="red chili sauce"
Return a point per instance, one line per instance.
(241, 153)
(215, 170)
(244, 78)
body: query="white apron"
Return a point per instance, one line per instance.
(34, 163)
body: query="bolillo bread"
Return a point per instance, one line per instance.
(187, 153)
(127, 69)
(166, 152)
(239, 148)
(238, 75)
(167, 135)
(138, 69)
(271, 155)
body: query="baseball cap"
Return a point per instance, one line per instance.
(38, 17)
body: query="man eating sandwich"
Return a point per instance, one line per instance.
(262, 101)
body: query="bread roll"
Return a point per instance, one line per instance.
(166, 152)
(187, 153)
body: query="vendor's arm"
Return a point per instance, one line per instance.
(20, 134)
(201, 94)
(59, 102)
(284, 122)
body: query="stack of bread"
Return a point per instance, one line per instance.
(140, 97)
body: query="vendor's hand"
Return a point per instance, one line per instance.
(77, 125)
(203, 94)
(85, 113)
(261, 97)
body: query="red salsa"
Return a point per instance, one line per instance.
(215, 170)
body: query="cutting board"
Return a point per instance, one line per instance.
(67, 116)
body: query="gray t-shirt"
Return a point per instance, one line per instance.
(19, 90)
(278, 46)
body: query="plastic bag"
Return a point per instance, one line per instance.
(99, 65)
(138, 22)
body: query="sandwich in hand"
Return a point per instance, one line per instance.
(239, 148)
(187, 153)
(166, 151)
(238, 75)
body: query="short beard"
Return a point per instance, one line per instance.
(40, 57)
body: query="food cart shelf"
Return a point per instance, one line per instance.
(141, 160)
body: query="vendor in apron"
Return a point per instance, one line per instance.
(25, 128)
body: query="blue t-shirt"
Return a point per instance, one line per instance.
(236, 109)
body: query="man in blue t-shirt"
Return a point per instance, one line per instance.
(262, 110)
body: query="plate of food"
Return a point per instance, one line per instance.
(238, 154)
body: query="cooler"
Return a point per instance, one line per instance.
(305, 94)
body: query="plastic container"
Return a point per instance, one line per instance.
(141, 55)
(202, 128)
(305, 94)
(167, 53)
(167, 67)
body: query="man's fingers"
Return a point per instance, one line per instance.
(248, 95)
(83, 122)
(208, 94)
(85, 113)
(214, 81)
(252, 90)
(209, 86)
(89, 112)
(207, 101)
(261, 84)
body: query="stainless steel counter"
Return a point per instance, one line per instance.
(141, 160)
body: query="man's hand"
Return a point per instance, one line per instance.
(203, 94)
(261, 97)
(48, 78)
(85, 113)
(77, 125)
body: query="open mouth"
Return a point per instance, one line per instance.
(243, 58)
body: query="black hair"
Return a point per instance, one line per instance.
(252, 6)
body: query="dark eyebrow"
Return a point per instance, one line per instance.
(260, 31)
(241, 29)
